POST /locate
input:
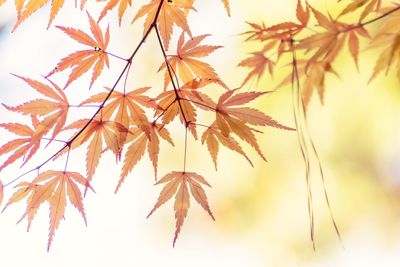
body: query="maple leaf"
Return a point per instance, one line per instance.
(328, 44)
(179, 184)
(226, 4)
(258, 32)
(53, 187)
(34, 5)
(146, 135)
(82, 61)
(127, 107)
(282, 31)
(185, 63)
(313, 79)
(232, 119)
(173, 103)
(369, 7)
(387, 38)
(184, 102)
(98, 129)
(54, 112)
(259, 62)
(123, 4)
(171, 14)
(213, 137)
(24, 147)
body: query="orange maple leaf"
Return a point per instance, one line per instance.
(179, 184)
(171, 104)
(32, 6)
(82, 61)
(144, 135)
(368, 5)
(53, 187)
(232, 119)
(98, 129)
(24, 147)
(184, 102)
(171, 14)
(213, 137)
(185, 63)
(259, 62)
(127, 106)
(123, 4)
(54, 112)
(387, 38)
(329, 43)
(227, 7)
(282, 31)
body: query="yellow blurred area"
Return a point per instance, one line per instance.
(261, 212)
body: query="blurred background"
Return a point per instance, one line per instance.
(261, 212)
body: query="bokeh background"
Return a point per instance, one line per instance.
(261, 212)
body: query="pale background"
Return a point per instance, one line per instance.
(261, 212)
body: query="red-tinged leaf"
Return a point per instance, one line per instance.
(52, 187)
(54, 112)
(82, 61)
(302, 14)
(179, 184)
(354, 47)
(258, 62)
(24, 147)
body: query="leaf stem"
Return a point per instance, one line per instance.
(185, 150)
(379, 17)
(169, 69)
(118, 57)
